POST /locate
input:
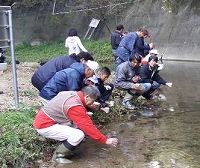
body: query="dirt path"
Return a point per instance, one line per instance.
(28, 95)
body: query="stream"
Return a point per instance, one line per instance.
(171, 139)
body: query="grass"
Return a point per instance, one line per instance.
(20, 144)
(101, 50)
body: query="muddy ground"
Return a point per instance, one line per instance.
(27, 93)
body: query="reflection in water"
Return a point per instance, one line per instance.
(174, 139)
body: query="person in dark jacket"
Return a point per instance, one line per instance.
(69, 79)
(116, 38)
(104, 88)
(141, 48)
(2, 56)
(44, 73)
(150, 74)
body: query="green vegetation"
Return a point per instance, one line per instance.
(101, 50)
(20, 143)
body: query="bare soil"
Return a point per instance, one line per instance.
(27, 94)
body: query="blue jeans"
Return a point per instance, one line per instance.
(118, 61)
(123, 53)
(153, 88)
(147, 86)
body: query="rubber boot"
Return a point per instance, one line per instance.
(60, 155)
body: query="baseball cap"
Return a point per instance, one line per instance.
(92, 65)
(154, 51)
(93, 79)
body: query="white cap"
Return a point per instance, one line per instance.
(93, 79)
(154, 51)
(92, 65)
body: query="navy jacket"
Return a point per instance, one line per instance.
(44, 73)
(141, 48)
(116, 38)
(70, 79)
(148, 76)
(105, 94)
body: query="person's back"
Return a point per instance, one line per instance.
(69, 79)
(116, 37)
(73, 42)
(44, 73)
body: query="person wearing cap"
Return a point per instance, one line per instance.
(56, 120)
(69, 79)
(150, 74)
(127, 78)
(152, 52)
(91, 80)
(127, 45)
(45, 72)
(2, 56)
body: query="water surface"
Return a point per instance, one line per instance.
(170, 140)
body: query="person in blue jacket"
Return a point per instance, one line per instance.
(44, 73)
(69, 79)
(127, 46)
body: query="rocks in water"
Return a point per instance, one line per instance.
(146, 112)
(161, 97)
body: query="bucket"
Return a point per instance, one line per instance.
(3, 66)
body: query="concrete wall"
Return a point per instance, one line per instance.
(177, 33)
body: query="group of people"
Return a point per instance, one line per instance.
(70, 85)
(130, 53)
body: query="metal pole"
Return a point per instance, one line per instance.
(91, 33)
(87, 33)
(13, 59)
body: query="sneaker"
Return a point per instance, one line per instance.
(153, 97)
(128, 105)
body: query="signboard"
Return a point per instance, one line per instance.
(94, 23)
